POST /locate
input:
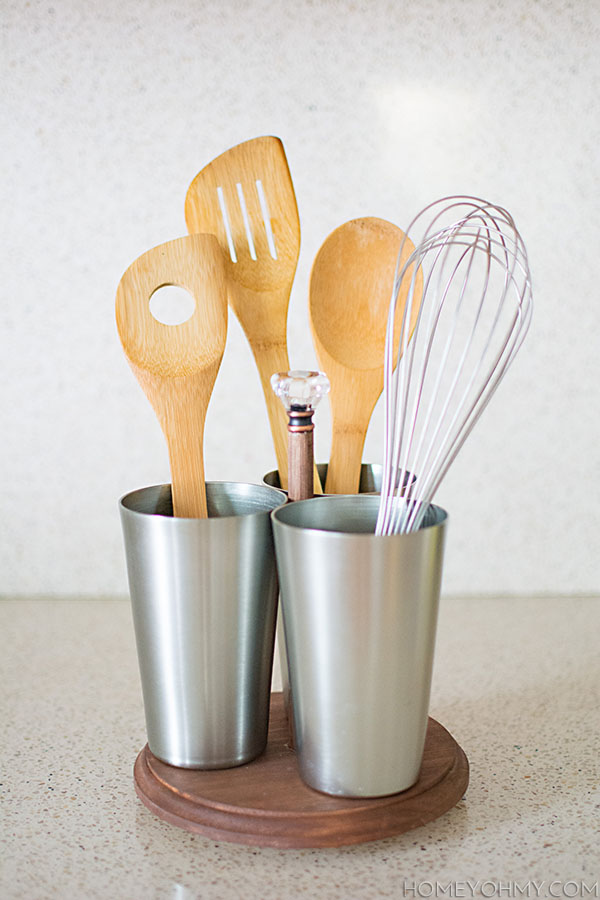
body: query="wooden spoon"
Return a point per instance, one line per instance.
(246, 198)
(177, 365)
(350, 291)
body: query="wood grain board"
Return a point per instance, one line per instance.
(264, 803)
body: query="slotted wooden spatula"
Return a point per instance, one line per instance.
(177, 365)
(246, 198)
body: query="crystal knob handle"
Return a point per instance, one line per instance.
(300, 389)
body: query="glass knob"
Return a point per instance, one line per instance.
(300, 389)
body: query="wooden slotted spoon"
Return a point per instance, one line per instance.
(246, 198)
(350, 291)
(177, 365)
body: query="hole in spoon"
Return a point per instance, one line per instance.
(172, 305)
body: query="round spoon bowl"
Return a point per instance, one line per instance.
(351, 286)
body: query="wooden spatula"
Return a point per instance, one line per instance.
(350, 291)
(246, 198)
(177, 365)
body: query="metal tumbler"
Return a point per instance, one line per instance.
(360, 616)
(204, 601)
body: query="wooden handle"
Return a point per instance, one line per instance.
(343, 472)
(269, 359)
(182, 420)
(352, 397)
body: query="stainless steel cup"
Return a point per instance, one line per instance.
(204, 600)
(360, 616)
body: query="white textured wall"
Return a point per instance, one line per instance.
(109, 110)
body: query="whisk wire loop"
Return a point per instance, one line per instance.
(469, 322)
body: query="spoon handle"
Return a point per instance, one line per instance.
(343, 472)
(182, 419)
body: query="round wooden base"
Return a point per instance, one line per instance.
(264, 803)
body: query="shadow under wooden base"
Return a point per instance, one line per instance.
(264, 803)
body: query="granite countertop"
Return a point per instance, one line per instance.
(516, 681)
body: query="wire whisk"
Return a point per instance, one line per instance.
(457, 340)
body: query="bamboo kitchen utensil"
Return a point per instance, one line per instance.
(177, 365)
(474, 314)
(350, 288)
(246, 198)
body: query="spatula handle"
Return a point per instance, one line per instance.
(269, 359)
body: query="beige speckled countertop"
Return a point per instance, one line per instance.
(517, 682)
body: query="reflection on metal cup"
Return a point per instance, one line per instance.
(371, 475)
(204, 601)
(360, 616)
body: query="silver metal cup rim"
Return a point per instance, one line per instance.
(375, 470)
(242, 488)
(437, 517)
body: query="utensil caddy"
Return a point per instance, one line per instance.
(266, 802)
